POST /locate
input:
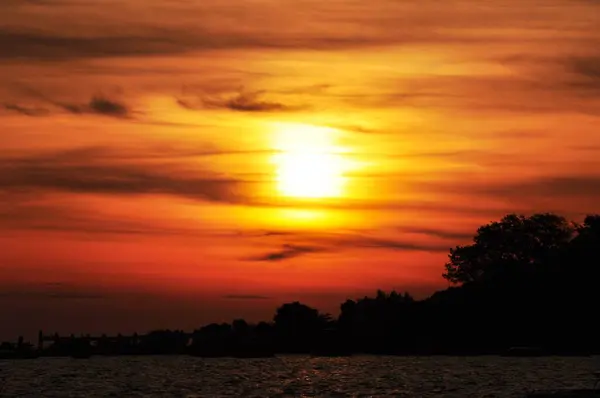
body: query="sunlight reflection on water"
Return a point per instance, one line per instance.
(292, 376)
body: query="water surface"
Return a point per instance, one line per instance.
(292, 376)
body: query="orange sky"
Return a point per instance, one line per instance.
(167, 164)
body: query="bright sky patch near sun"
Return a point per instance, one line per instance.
(308, 162)
(304, 149)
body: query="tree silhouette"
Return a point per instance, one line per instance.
(523, 282)
(515, 246)
(298, 326)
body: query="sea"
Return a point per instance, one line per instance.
(294, 376)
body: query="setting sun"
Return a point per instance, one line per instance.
(308, 163)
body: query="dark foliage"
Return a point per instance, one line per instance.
(523, 282)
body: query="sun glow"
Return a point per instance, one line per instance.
(308, 163)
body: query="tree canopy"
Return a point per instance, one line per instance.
(514, 246)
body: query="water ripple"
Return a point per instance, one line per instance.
(292, 376)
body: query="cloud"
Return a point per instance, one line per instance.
(25, 3)
(438, 233)
(26, 111)
(287, 252)
(587, 70)
(567, 194)
(56, 46)
(77, 173)
(240, 102)
(587, 66)
(55, 291)
(371, 242)
(246, 297)
(168, 29)
(305, 243)
(545, 186)
(53, 46)
(18, 214)
(100, 106)
(573, 185)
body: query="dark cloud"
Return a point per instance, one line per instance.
(588, 71)
(98, 105)
(585, 148)
(371, 242)
(142, 40)
(549, 186)
(574, 185)
(246, 297)
(308, 243)
(103, 106)
(20, 215)
(568, 194)
(240, 102)
(25, 3)
(438, 233)
(25, 110)
(287, 252)
(50, 293)
(48, 46)
(51, 46)
(78, 173)
(587, 66)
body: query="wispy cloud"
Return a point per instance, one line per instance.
(51, 292)
(307, 25)
(438, 233)
(307, 243)
(574, 185)
(98, 105)
(287, 252)
(245, 297)
(240, 102)
(79, 174)
(26, 110)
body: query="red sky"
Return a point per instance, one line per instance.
(168, 164)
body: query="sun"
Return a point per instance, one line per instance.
(308, 163)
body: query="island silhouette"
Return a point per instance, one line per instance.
(526, 285)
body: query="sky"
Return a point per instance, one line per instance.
(173, 163)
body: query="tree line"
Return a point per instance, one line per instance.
(524, 281)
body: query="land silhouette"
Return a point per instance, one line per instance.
(526, 285)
